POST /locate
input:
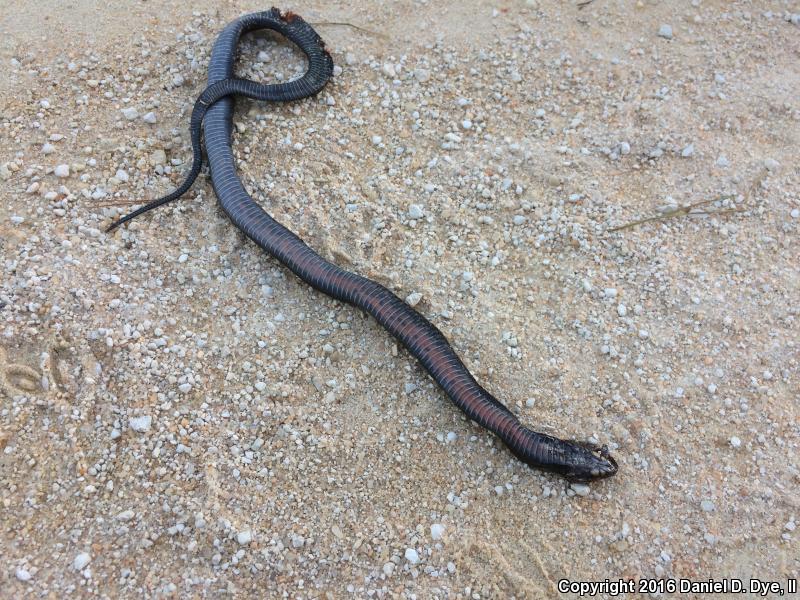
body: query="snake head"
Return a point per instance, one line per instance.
(588, 462)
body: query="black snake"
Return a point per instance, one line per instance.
(212, 114)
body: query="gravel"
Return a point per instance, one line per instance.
(141, 424)
(412, 556)
(169, 390)
(81, 561)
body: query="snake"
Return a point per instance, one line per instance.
(211, 127)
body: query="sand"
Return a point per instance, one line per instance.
(598, 206)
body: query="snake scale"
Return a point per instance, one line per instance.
(212, 117)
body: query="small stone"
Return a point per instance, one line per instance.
(185, 388)
(581, 489)
(624, 148)
(723, 161)
(413, 298)
(622, 310)
(122, 175)
(687, 151)
(48, 148)
(412, 556)
(466, 124)
(298, 541)
(388, 568)
(415, 211)
(422, 75)
(244, 537)
(707, 505)
(125, 515)
(735, 442)
(22, 574)
(81, 561)
(158, 157)
(795, 213)
(140, 424)
(665, 31)
(130, 113)
(451, 437)
(437, 530)
(61, 171)
(149, 117)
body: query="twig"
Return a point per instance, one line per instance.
(585, 3)
(359, 28)
(681, 211)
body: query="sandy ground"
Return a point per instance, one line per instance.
(181, 417)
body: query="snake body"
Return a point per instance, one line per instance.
(213, 112)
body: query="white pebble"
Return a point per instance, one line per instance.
(415, 211)
(81, 561)
(185, 388)
(723, 161)
(121, 175)
(466, 124)
(707, 505)
(451, 437)
(712, 388)
(622, 310)
(125, 515)
(413, 298)
(581, 489)
(140, 424)
(437, 529)
(376, 139)
(244, 537)
(61, 171)
(687, 151)
(795, 213)
(149, 117)
(610, 292)
(130, 113)
(388, 568)
(48, 148)
(412, 556)
(735, 442)
(665, 31)
(22, 574)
